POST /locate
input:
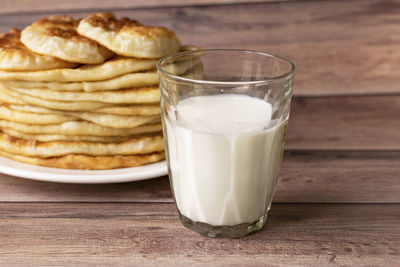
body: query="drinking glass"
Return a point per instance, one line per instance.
(223, 180)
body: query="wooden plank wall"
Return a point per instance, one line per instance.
(34, 6)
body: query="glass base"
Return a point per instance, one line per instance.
(234, 231)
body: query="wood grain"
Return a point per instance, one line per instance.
(144, 234)
(345, 48)
(343, 147)
(306, 176)
(345, 123)
(339, 177)
(14, 189)
(32, 6)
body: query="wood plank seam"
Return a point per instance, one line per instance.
(352, 94)
(143, 6)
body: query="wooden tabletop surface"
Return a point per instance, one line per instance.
(338, 196)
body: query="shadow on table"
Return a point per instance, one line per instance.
(297, 218)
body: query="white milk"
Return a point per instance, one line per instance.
(224, 154)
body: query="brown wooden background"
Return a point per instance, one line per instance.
(338, 198)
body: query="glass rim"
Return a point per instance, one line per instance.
(200, 81)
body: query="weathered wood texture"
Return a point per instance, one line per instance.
(343, 146)
(340, 177)
(34, 6)
(123, 234)
(306, 176)
(339, 47)
(336, 123)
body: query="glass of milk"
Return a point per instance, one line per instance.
(224, 114)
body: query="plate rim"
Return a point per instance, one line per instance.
(59, 175)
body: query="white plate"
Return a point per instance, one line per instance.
(33, 172)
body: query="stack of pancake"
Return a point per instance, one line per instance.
(82, 94)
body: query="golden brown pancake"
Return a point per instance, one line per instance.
(125, 81)
(8, 99)
(111, 68)
(79, 128)
(139, 145)
(57, 36)
(61, 137)
(116, 121)
(15, 56)
(141, 95)
(51, 104)
(8, 113)
(125, 110)
(128, 37)
(23, 115)
(33, 109)
(134, 110)
(85, 162)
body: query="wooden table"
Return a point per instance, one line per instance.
(338, 198)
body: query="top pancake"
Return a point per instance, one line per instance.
(128, 37)
(57, 36)
(15, 56)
